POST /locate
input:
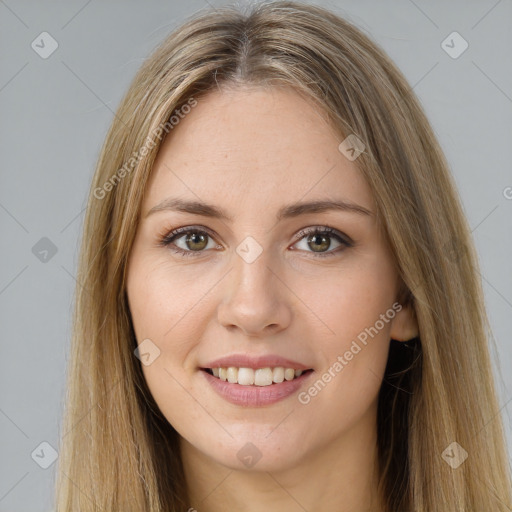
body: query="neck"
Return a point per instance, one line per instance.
(341, 476)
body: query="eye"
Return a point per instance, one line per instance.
(188, 241)
(320, 241)
(192, 241)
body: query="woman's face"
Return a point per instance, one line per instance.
(257, 289)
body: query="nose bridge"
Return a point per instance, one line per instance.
(253, 280)
(253, 277)
(253, 300)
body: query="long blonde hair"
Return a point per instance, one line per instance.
(118, 452)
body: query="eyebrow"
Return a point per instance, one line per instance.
(286, 212)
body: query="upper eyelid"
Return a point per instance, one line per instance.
(178, 232)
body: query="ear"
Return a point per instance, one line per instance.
(404, 326)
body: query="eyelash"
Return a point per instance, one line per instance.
(168, 238)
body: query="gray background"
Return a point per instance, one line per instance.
(54, 116)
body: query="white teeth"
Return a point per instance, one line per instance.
(259, 377)
(278, 375)
(232, 374)
(246, 376)
(263, 377)
(289, 374)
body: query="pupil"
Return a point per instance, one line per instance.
(323, 239)
(196, 238)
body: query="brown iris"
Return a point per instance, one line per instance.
(321, 242)
(197, 241)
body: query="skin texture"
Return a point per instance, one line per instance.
(251, 151)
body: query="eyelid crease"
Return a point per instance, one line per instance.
(324, 230)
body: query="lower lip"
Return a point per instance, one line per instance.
(255, 396)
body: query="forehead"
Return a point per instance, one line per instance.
(267, 146)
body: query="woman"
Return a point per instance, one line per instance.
(278, 305)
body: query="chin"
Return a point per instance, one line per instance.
(257, 450)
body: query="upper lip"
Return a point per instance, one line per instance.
(255, 362)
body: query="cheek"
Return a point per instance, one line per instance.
(166, 304)
(162, 309)
(346, 386)
(169, 307)
(351, 300)
(357, 308)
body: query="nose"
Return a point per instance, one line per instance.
(255, 299)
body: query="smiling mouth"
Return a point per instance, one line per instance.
(255, 377)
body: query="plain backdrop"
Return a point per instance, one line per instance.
(55, 112)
